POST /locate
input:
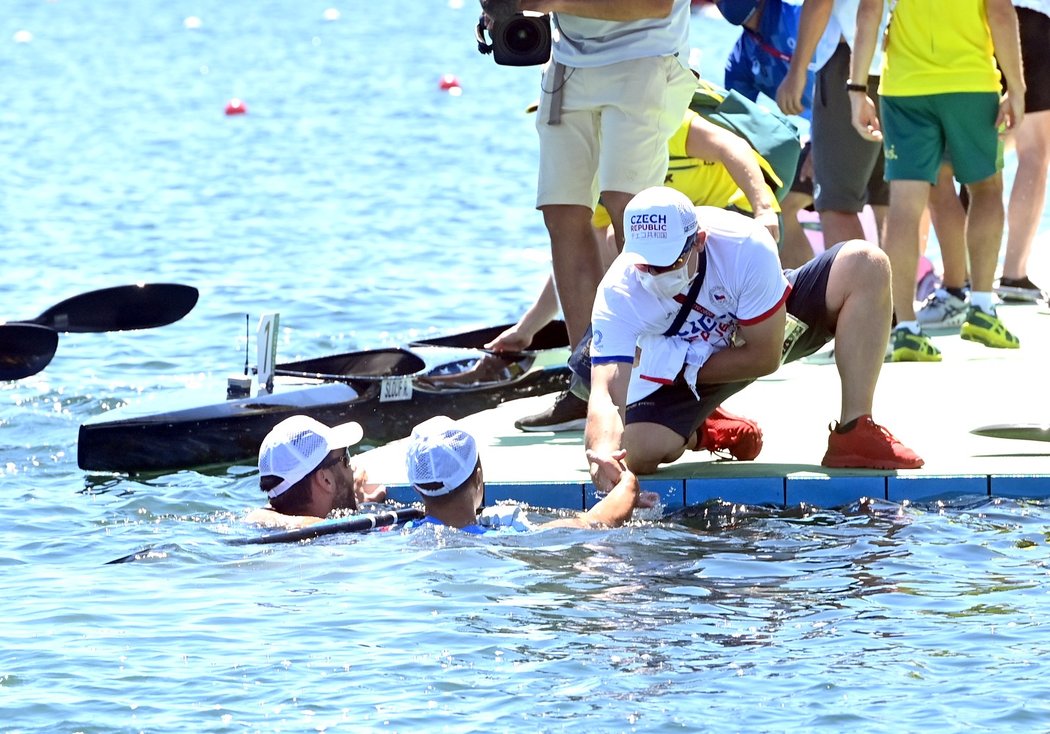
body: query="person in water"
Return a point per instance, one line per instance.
(444, 467)
(307, 473)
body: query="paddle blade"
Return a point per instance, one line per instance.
(121, 308)
(1023, 431)
(25, 349)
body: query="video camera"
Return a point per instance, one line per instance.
(517, 39)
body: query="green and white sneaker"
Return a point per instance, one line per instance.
(908, 347)
(988, 330)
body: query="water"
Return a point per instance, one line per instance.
(368, 208)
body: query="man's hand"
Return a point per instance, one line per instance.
(366, 492)
(1011, 112)
(606, 468)
(770, 220)
(512, 339)
(865, 118)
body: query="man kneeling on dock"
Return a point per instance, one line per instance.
(719, 274)
(444, 468)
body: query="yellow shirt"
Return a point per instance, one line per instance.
(706, 183)
(937, 47)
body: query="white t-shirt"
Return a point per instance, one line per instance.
(743, 284)
(842, 25)
(588, 42)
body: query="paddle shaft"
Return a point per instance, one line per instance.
(355, 524)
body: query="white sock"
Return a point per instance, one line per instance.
(983, 300)
(912, 326)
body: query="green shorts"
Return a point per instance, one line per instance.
(917, 131)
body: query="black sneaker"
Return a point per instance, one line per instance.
(1019, 290)
(568, 413)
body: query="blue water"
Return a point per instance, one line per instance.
(368, 208)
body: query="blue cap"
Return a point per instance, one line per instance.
(737, 11)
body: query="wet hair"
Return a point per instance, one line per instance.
(293, 501)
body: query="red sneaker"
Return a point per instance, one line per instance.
(868, 446)
(727, 433)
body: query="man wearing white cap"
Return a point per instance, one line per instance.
(444, 467)
(718, 272)
(306, 472)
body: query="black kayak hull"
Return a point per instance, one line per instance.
(161, 438)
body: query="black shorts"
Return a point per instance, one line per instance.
(1035, 53)
(675, 407)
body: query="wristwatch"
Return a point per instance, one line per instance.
(853, 87)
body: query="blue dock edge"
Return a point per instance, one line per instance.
(790, 491)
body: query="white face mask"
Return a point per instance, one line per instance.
(666, 285)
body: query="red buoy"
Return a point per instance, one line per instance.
(236, 107)
(448, 82)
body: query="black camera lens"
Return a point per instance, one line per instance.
(522, 35)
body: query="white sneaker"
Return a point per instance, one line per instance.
(941, 310)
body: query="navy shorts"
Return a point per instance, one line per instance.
(675, 406)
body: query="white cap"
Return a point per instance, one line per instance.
(440, 452)
(657, 222)
(297, 445)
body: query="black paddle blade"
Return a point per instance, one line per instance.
(121, 308)
(25, 349)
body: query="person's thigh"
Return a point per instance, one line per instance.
(913, 139)
(842, 159)
(647, 99)
(971, 138)
(807, 302)
(675, 408)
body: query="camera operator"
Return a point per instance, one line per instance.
(615, 89)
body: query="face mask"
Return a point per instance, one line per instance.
(666, 285)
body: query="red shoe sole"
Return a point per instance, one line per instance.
(864, 462)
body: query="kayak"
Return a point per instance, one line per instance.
(387, 391)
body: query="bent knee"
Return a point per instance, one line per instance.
(862, 259)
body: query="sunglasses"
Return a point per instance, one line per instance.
(661, 269)
(343, 458)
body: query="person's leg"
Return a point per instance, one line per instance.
(1033, 154)
(1028, 193)
(795, 248)
(576, 260)
(845, 293)
(663, 425)
(858, 304)
(949, 221)
(984, 230)
(907, 203)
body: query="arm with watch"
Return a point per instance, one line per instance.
(865, 117)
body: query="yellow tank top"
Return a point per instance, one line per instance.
(937, 47)
(706, 183)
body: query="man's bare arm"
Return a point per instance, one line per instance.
(603, 436)
(758, 356)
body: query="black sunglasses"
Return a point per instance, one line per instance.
(333, 460)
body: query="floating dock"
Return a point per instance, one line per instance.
(931, 407)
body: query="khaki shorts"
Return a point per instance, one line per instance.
(615, 123)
